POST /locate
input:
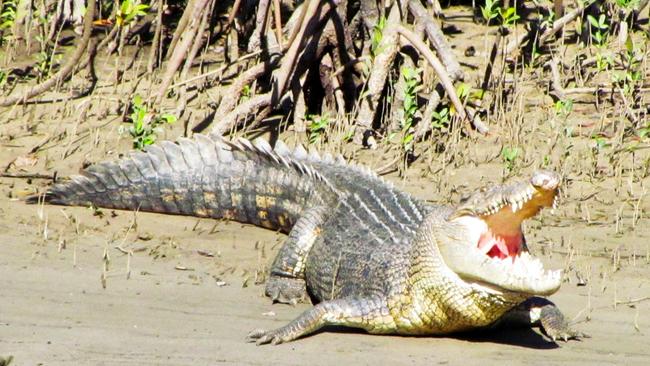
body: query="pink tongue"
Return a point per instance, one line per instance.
(500, 246)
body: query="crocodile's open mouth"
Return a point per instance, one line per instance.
(503, 236)
(493, 220)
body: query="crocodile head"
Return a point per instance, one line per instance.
(493, 250)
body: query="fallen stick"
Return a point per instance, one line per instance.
(28, 176)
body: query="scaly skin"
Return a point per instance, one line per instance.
(371, 257)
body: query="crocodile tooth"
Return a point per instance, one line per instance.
(537, 266)
(516, 205)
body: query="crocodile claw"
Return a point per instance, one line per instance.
(274, 337)
(556, 327)
(565, 334)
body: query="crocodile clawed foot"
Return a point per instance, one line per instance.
(261, 336)
(556, 327)
(565, 334)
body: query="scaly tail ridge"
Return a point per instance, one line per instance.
(202, 177)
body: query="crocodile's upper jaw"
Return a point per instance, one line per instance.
(492, 251)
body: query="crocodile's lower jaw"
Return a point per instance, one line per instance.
(497, 260)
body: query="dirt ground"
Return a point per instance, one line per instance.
(84, 288)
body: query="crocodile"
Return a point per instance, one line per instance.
(368, 255)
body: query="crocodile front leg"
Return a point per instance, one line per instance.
(371, 314)
(537, 311)
(286, 282)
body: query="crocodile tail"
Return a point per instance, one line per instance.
(203, 177)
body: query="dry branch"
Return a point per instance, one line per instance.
(198, 42)
(432, 104)
(245, 109)
(334, 85)
(231, 16)
(299, 105)
(232, 94)
(516, 43)
(288, 62)
(182, 49)
(434, 34)
(278, 21)
(66, 70)
(443, 76)
(154, 53)
(180, 28)
(256, 40)
(381, 65)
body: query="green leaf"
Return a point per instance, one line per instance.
(602, 22)
(629, 44)
(169, 118)
(592, 21)
(463, 90)
(137, 100)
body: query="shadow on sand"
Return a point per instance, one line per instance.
(520, 337)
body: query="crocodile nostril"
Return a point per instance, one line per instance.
(545, 180)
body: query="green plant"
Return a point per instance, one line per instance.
(547, 21)
(600, 143)
(7, 18)
(490, 10)
(509, 16)
(143, 131)
(129, 10)
(644, 131)
(317, 127)
(45, 60)
(463, 90)
(246, 93)
(377, 36)
(563, 107)
(440, 119)
(601, 26)
(410, 105)
(603, 62)
(633, 75)
(627, 4)
(509, 156)
(3, 79)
